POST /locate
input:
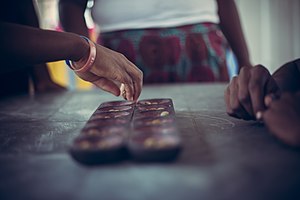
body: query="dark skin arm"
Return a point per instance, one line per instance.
(72, 16)
(232, 29)
(39, 73)
(16, 51)
(109, 70)
(23, 12)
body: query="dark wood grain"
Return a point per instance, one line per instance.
(222, 158)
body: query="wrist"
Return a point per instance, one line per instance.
(80, 48)
(86, 61)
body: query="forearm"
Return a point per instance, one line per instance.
(287, 77)
(71, 15)
(231, 27)
(25, 45)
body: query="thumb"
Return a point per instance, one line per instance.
(107, 85)
(103, 83)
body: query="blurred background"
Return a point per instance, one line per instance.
(271, 28)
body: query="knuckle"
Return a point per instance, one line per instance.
(122, 56)
(253, 85)
(234, 80)
(243, 97)
(245, 70)
(258, 70)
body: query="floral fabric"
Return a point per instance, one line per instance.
(192, 53)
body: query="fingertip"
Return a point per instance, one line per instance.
(259, 115)
(268, 100)
(128, 92)
(118, 94)
(122, 87)
(137, 93)
(135, 97)
(130, 98)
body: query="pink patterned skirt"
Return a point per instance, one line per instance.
(191, 53)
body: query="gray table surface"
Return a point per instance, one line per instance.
(222, 157)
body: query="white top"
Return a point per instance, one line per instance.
(113, 15)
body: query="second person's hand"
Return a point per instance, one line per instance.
(244, 96)
(282, 117)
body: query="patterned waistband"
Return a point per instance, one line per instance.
(191, 28)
